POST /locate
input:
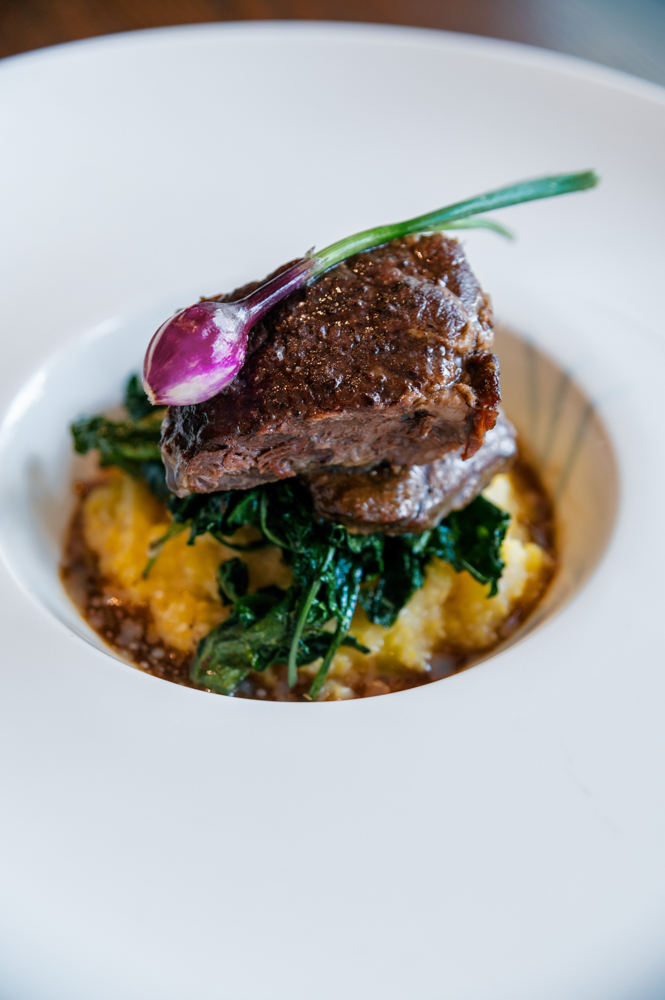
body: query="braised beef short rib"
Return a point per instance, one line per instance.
(386, 358)
(396, 501)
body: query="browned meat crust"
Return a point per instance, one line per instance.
(413, 498)
(386, 358)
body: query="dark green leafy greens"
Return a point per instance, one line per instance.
(259, 633)
(136, 402)
(132, 444)
(232, 580)
(467, 539)
(333, 570)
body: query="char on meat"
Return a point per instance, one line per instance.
(385, 358)
(396, 501)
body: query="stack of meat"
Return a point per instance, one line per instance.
(376, 385)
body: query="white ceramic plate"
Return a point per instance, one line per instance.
(499, 834)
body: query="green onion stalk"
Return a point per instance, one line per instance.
(199, 351)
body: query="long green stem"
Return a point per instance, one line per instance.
(480, 222)
(260, 543)
(442, 218)
(185, 363)
(341, 631)
(292, 676)
(263, 515)
(155, 548)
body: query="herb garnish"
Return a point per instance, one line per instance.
(199, 351)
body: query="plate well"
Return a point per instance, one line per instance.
(559, 430)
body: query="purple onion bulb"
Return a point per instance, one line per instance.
(196, 353)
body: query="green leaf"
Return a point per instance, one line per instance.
(154, 474)
(131, 445)
(450, 216)
(471, 539)
(155, 548)
(124, 443)
(404, 573)
(304, 607)
(257, 635)
(248, 640)
(351, 592)
(353, 643)
(332, 571)
(136, 401)
(216, 514)
(232, 580)
(480, 222)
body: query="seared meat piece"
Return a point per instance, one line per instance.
(412, 498)
(386, 357)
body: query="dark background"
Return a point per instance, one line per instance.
(626, 34)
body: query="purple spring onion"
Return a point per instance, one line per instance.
(199, 351)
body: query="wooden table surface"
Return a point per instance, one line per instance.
(627, 34)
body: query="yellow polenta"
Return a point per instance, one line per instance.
(450, 612)
(121, 518)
